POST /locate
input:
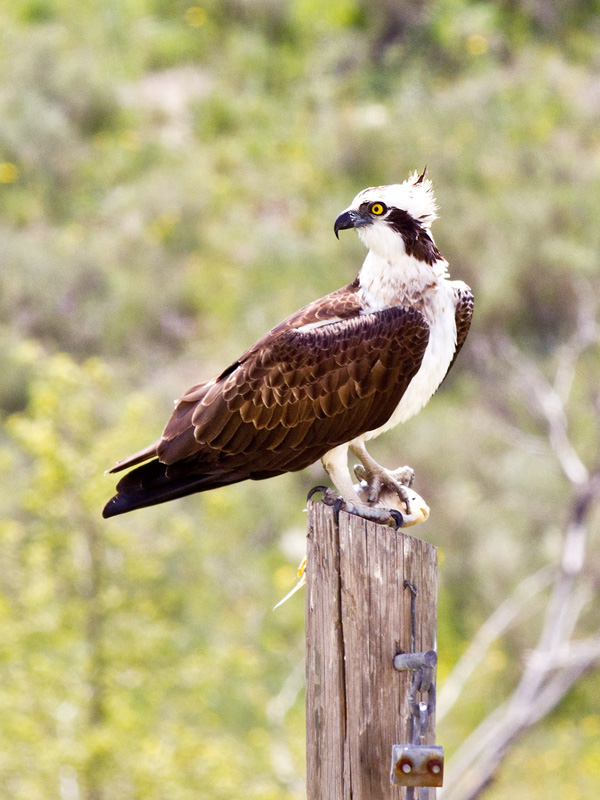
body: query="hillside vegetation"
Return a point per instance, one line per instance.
(169, 176)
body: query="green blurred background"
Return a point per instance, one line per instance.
(169, 176)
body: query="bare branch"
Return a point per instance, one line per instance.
(586, 333)
(571, 654)
(551, 405)
(496, 624)
(506, 431)
(472, 775)
(557, 661)
(544, 680)
(543, 398)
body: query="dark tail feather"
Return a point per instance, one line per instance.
(149, 485)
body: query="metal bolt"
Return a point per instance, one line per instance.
(406, 661)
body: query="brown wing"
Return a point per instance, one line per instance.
(464, 313)
(341, 304)
(309, 385)
(298, 394)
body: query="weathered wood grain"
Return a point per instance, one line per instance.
(358, 616)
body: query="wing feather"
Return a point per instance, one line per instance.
(463, 316)
(332, 376)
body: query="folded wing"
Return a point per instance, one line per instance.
(321, 378)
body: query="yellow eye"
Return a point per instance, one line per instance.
(378, 209)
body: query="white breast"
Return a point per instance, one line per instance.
(438, 355)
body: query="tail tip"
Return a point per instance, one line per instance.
(115, 505)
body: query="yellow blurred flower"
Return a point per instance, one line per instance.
(477, 44)
(195, 16)
(9, 173)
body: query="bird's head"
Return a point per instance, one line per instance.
(394, 218)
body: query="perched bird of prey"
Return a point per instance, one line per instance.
(329, 378)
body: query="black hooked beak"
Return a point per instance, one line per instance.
(349, 219)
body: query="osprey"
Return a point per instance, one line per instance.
(330, 377)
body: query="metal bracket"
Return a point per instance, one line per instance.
(417, 764)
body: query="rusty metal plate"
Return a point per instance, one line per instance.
(417, 765)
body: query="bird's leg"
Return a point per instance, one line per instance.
(378, 478)
(403, 475)
(348, 499)
(385, 516)
(356, 499)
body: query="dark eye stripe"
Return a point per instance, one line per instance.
(416, 239)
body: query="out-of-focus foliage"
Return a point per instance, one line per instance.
(169, 176)
(136, 660)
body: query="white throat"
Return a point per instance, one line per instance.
(400, 280)
(389, 276)
(403, 280)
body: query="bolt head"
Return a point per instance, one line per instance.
(434, 766)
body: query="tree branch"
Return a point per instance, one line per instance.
(495, 625)
(556, 662)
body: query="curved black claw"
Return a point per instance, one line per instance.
(339, 505)
(396, 515)
(314, 490)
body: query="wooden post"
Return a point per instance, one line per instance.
(358, 617)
